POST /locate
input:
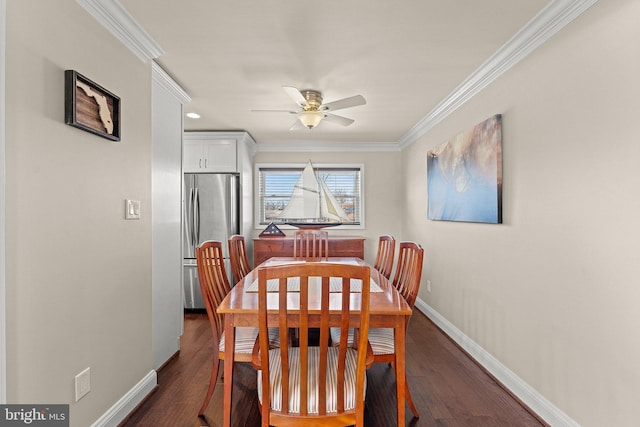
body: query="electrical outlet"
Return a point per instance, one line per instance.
(83, 383)
(428, 285)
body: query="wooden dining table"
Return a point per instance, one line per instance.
(387, 309)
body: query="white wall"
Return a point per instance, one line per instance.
(246, 153)
(166, 184)
(552, 293)
(382, 199)
(78, 275)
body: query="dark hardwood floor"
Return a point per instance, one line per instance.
(448, 388)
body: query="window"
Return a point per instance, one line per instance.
(275, 184)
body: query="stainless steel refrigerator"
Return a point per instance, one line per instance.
(211, 212)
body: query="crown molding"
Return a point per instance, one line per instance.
(555, 16)
(115, 18)
(163, 79)
(242, 136)
(315, 146)
(219, 134)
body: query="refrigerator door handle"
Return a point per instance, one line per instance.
(192, 227)
(196, 218)
(232, 195)
(189, 230)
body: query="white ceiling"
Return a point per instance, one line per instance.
(403, 57)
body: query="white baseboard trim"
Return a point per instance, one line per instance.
(529, 396)
(128, 402)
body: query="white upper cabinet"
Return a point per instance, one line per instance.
(209, 155)
(224, 151)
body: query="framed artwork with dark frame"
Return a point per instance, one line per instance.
(91, 107)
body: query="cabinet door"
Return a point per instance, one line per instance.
(220, 156)
(192, 160)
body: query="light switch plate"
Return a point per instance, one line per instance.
(132, 209)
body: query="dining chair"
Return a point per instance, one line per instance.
(384, 257)
(238, 258)
(214, 285)
(319, 385)
(311, 245)
(407, 281)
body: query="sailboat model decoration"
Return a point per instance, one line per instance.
(312, 205)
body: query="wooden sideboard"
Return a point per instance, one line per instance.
(340, 246)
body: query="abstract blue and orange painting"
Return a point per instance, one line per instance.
(464, 175)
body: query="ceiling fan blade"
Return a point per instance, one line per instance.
(296, 95)
(297, 125)
(352, 101)
(338, 119)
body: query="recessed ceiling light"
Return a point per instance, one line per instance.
(193, 115)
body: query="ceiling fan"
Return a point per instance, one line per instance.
(311, 110)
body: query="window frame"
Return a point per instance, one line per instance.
(257, 201)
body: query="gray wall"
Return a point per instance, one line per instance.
(552, 293)
(78, 274)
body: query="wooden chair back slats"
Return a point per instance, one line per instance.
(407, 280)
(409, 271)
(315, 298)
(311, 245)
(238, 258)
(214, 284)
(384, 257)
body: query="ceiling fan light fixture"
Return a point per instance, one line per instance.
(310, 118)
(310, 109)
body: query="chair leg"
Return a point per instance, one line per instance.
(407, 395)
(212, 385)
(264, 413)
